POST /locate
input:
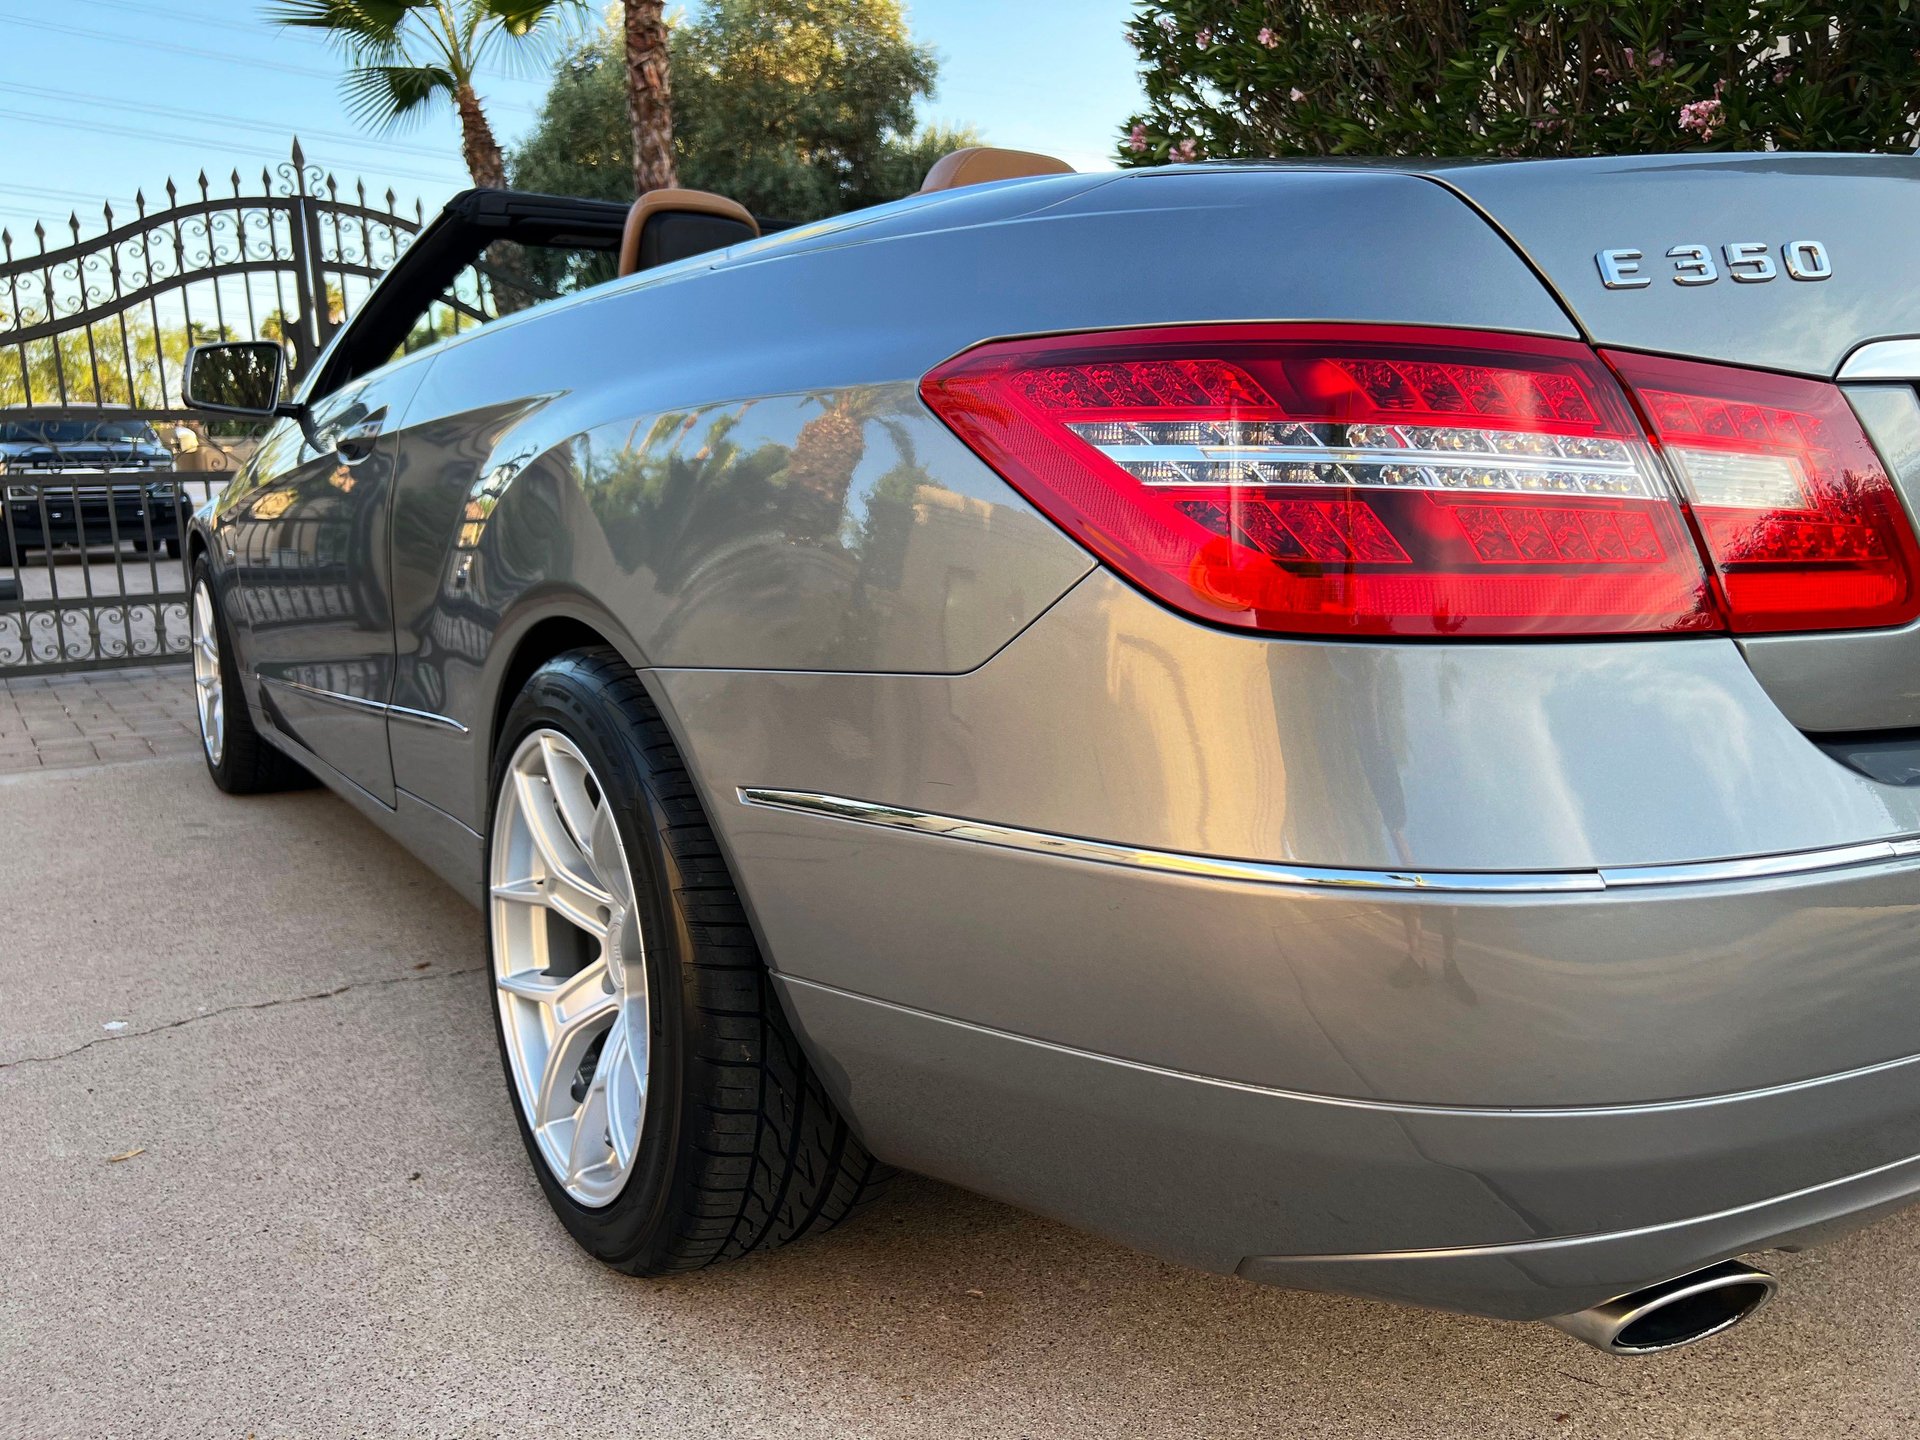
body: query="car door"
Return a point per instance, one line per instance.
(309, 560)
(311, 544)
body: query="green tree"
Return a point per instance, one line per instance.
(405, 56)
(795, 108)
(1228, 78)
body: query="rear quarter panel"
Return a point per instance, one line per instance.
(725, 464)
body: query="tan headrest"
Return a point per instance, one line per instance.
(698, 202)
(981, 163)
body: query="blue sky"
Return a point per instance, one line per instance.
(198, 84)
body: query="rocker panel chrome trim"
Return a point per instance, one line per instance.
(1210, 867)
(360, 702)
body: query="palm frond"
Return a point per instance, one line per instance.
(356, 26)
(385, 97)
(520, 18)
(533, 31)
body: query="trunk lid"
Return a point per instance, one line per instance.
(1864, 210)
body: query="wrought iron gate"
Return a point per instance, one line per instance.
(93, 334)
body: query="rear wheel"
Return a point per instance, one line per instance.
(670, 1114)
(239, 758)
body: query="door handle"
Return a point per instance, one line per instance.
(354, 445)
(354, 442)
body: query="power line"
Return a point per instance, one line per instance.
(48, 194)
(172, 14)
(251, 61)
(201, 117)
(145, 134)
(254, 62)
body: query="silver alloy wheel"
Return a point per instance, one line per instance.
(206, 674)
(569, 967)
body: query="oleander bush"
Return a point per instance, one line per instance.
(1245, 78)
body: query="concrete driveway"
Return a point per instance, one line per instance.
(284, 1197)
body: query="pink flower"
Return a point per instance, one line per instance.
(1137, 140)
(1296, 95)
(1656, 58)
(1267, 38)
(1186, 149)
(1203, 37)
(1628, 52)
(1702, 117)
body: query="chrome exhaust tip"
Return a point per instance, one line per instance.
(1673, 1313)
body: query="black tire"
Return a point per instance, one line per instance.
(740, 1148)
(173, 548)
(248, 764)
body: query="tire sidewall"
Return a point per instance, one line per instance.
(573, 698)
(224, 773)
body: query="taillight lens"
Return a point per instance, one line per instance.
(1798, 516)
(1358, 480)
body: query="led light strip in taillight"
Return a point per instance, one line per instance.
(1395, 457)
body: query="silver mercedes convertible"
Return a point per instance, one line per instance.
(1356, 726)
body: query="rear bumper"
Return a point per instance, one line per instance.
(1519, 1214)
(1629, 982)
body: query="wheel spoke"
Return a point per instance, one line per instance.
(534, 985)
(608, 856)
(584, 909)
(575, 998)
(568, 778)
(573, 1034)
(525, 892)
(588, 1145)
(563, 858)
(626, 1089)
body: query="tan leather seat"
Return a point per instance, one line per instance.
(655, 205)
(980, 163)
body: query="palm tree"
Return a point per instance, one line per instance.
(405, 55)
(649, 96)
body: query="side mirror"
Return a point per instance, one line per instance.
(237, 378)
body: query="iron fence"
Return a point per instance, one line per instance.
(94, 331)
(92, 569)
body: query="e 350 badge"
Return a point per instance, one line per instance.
(1748, 261)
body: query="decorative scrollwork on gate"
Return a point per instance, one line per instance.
(107, 319)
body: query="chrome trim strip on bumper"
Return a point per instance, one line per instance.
(1211, 867)
(360, 702)
(1883, 360)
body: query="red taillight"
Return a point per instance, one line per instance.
(1343, 479)
(1798, 516)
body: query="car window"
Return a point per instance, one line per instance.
(77, 432)
(507, 278)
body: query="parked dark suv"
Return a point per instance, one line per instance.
(95, 498)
